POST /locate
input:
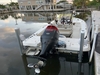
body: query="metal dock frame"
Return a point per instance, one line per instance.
(80, 55)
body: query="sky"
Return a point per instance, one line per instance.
(7, 1)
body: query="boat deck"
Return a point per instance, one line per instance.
(71, 46)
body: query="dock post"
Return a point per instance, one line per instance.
(81, 52)
(81, 46)
(93, 23)
(19, 40)
(25, 63)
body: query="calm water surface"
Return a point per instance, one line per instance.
(12, 63)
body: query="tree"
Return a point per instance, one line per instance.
(81, 3)
(95, 3)
(13, 4)
(3, 17)
(2, 6)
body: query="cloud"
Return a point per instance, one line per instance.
(7, 1)
(6, 21)
(0, 25)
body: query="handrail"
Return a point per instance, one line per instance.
(93, 45)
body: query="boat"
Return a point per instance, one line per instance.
(62, 36)
(66, 36)
(68, 33)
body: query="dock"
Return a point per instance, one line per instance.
(77, 46)
(96, 22)
(47, 10)
(3, 11)
(56, 10)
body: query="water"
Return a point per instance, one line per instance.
(12, 63)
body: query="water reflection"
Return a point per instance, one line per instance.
(38, 17)
(14, 21)
(30, 17)
(3, 17)
(9, 55)
(52, 66)
(6, 16)
(25, 63)
(58, 65)
(6, 37)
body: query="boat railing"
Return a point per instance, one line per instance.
(93, 45)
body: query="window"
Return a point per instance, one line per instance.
(22, 7)
(29, 2)
(32, 18)
(25, 14)
(28, 8)
(33, 7)
(36, 14)
(41, 18)
(30, 14)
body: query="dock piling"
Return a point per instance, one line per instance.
(19, 40)
(81, 46)
(80, 52)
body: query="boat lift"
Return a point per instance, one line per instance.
(80, 54)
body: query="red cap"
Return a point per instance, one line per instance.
(51, 28)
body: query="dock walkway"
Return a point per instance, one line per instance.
(95, 22)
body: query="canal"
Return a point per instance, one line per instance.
(12, 63)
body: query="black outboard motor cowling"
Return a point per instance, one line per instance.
(49, 40)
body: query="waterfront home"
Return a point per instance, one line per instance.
(25, 5)
(36, 5)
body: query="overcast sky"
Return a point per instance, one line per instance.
(6, 1)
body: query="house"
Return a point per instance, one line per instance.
(27, 5)
(41, 5)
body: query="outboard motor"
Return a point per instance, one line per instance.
(49, 40)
